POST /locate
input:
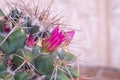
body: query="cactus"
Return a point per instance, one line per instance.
(32, 51)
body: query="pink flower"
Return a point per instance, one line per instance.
(68, 37)
(6, 28)
(30, 41)
(53, 41)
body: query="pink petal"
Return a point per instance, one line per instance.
(55, 30)
(54, 40)
(55, 45)
(69, 36)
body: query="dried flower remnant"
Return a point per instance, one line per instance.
(6, 27)
(30, 41)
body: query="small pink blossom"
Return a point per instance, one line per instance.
(53, 41)
(30, 41)
(6, 28)
(68, 36)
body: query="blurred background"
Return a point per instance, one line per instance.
(97, 25)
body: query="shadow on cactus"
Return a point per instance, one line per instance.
(33, 46)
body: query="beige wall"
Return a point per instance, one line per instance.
(99, 22)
